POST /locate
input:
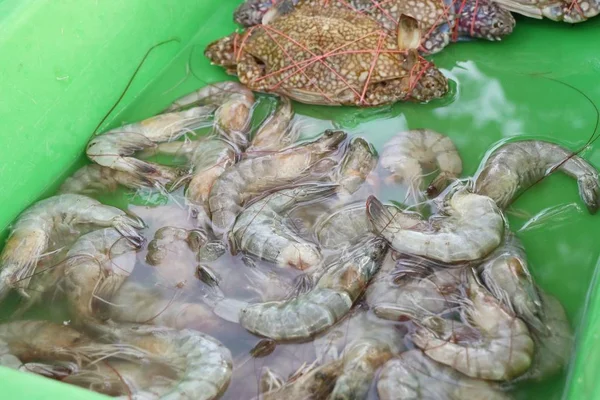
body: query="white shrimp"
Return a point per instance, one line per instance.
(491, 344)
(50, 224)
(254, 176)
(277, 132)
(116, 148)
(356, 165)
(468, 228)
(205, 365)
(96, 266)
(235, 102)
(408, 153)
(260, 230)
(415, 376)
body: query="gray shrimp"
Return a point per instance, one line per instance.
(232, 117)
(205, 365)
(409, 153)
(514, 167)
(506, 275)
(50, 224)
(256, 175)
(413, 375)
(277, 132)
(468, 228)
(356, 165)
(94, 178)
(260, 230)
(116, 148)
(331, 299)
(491, 344)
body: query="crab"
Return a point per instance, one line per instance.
(442, 21)
(328, 55)
(570, 11)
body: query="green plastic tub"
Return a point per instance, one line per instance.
(66, 62)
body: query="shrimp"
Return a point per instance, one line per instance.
(332, 297)
(277, 132)
(514, 167)
(209, 158)
(93, 178)
(138, 304)
(50, 224)
(345, 226)
(260, 229)
(553, 345)
(409, 153)
(469, 227)
(31, 341)
(316, 383)
(172, 252)
(257, 175)
(392, 295)
(492, 344)
(232, 118)
(96, 266)
(506, 276)
(370, 343)
(358, 162)
(205, 364)
(115, 148)
(415, 376)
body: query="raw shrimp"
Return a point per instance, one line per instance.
(505, 274)
(492, 344)
(332, 297)
(115, 148)
(315, 383)
(96, 266)
(358, 162)
(139, 304)
(468, 228)
(235, 102)
(277, 132)
(209, 158)
(260, 230)
(205, 364)
(515, 167)
(256, 175)
(369, 343)
(94, 178)
(413, 375)
(50, 224)
(394, 293)
(408, 153)
(344, 227)
(553, 345)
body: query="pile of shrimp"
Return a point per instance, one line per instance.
(273, 271)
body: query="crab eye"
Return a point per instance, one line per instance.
(498, 24)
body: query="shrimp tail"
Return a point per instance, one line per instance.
(126, 226)
(228, 309)
(378, 214)
(589, 191)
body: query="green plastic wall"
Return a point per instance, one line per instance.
(65, 62)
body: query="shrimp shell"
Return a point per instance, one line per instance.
(94, 178)
(514, 167)
(277, 132)
(469, 229)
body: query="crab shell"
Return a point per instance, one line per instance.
(328, 55)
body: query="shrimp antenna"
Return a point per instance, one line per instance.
(591, 140)
(135, 72)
